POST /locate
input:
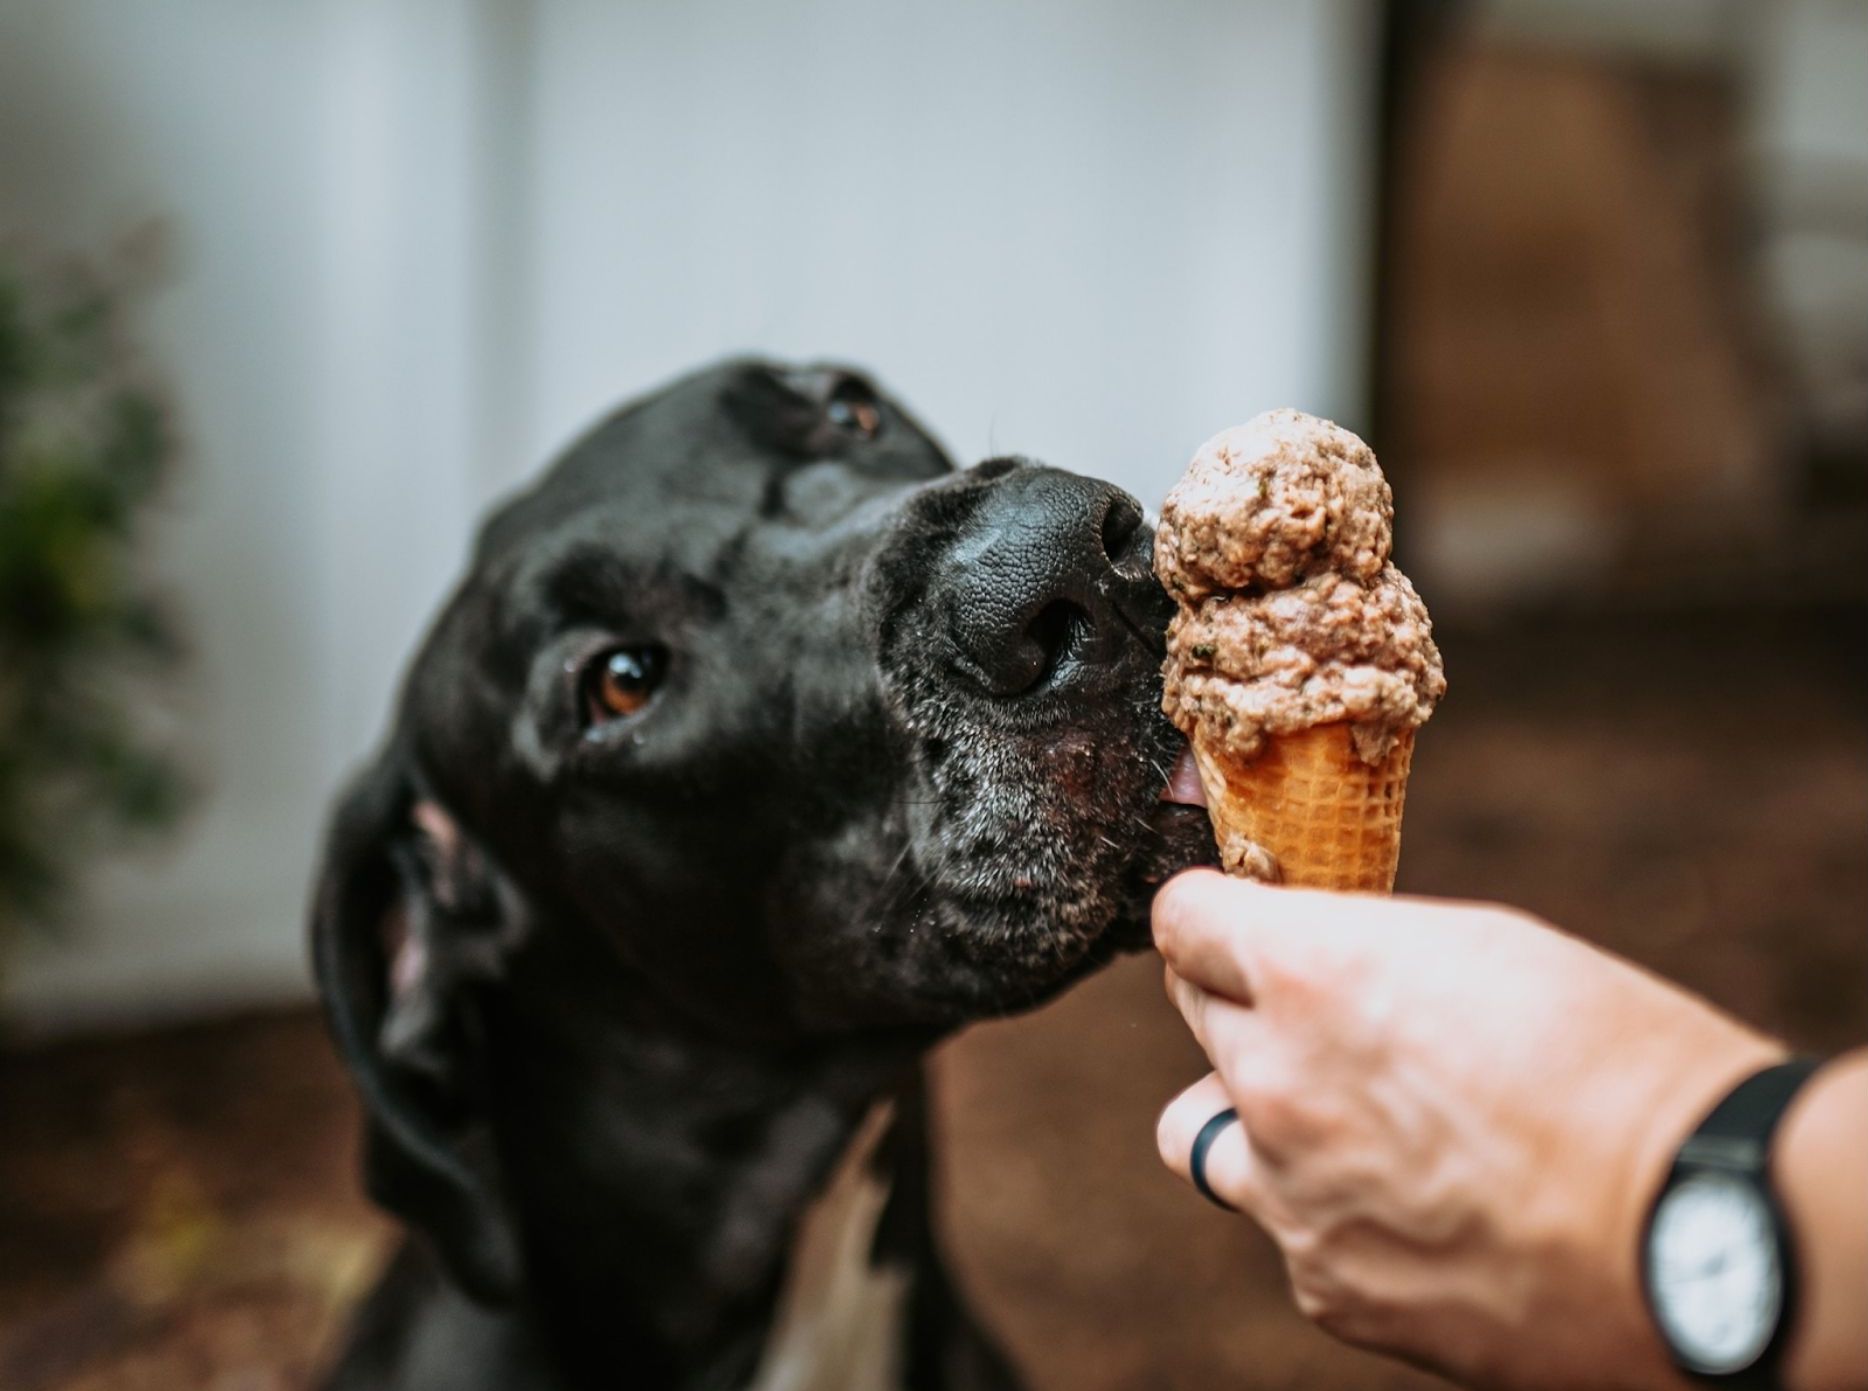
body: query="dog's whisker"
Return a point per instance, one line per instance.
(896, 868)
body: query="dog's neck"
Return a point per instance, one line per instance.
(664, 1177)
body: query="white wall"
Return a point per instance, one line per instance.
(311, 162)
(1093, 232)
(1808, 149)
(424, 242)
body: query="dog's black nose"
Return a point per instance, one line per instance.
(1051, 580)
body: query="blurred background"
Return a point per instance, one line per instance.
(289, 293)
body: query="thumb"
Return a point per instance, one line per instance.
(1233, 937)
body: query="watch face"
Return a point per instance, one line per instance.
(1713, 1272)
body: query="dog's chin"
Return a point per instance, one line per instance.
(1180, 837)
(1040, 875)
(1020, 958)
(1176, 834)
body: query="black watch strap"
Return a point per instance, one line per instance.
(1735, 1137)
(1736, 1133)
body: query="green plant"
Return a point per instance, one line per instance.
(84, 446)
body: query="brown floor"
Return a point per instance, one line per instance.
(180, 1211)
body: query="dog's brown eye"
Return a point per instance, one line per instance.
(854, 413)
(620, 682)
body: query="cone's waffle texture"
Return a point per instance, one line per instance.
(1327, 819)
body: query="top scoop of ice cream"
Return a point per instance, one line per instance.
(1275, 545)
(1271, 502)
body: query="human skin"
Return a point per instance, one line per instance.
(1454, 1119)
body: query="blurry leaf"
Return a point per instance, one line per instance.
(145, 791)
(85, 444)
(146, 626)
(137, 445)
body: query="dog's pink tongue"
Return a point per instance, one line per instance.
(1183, 784)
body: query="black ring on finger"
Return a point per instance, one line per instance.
(1202, 1143)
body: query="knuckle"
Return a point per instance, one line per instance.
(1315, 1300)
(1302, 1248)
(1351, 1322)
(1337, 1321)
(1169, 1138)
(1276, 1108)
(1327, 1292)
(1322, 1298)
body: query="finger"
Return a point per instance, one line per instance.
(1236, 937)
(1228, 1166)
(1200, 919)
(1225, 1030)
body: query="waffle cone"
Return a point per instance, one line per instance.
(1328, 819)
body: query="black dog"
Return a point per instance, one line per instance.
(758, 749)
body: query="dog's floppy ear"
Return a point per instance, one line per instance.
(408, 922)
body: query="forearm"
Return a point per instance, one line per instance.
(1821, 1172)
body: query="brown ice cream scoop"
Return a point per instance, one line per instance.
(1301, 661)
(1269, 502)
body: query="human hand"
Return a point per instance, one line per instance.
(1453, 1118)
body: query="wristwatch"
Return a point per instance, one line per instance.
(1716, 1258)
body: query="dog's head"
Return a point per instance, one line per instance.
(784, 721)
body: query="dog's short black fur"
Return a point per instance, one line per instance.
(757, 749)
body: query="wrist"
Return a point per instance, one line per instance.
(1817, 1167)
(1697, 1074)
(1614, 1150)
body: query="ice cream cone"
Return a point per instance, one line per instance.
(1297, 644)
(1328, 819)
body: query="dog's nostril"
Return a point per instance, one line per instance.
(1120, 523)
(1047, 583)
(1052, 632)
